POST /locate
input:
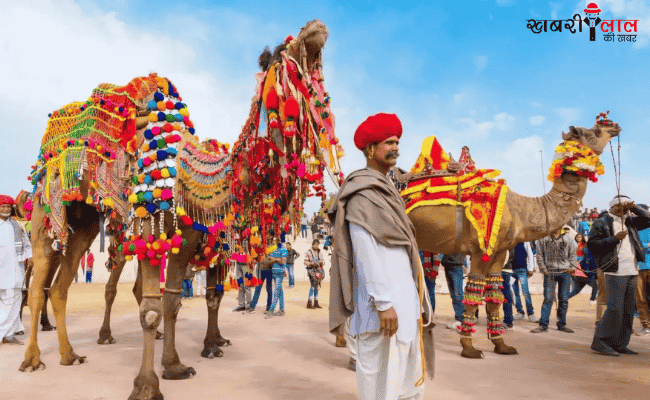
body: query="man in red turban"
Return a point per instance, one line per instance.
(376, 276)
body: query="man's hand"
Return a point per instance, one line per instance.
(388, 321)
(530, 274)
(570, 271)
(621, 235)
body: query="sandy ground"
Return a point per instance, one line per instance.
(293, 357)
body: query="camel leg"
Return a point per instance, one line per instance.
(46, 326)
(43, 256)
(213, 338)
(146, 385)
(137, 293)
(78, 243)
(109, 295)
(176, 267)
(472, 300)
(493, 301)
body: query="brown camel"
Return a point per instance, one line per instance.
(524, 219)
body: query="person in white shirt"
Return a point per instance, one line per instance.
(15, 248)
(376, 275)
(614, 241)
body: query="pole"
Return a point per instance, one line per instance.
(541, 160)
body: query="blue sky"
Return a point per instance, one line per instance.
(469, 72)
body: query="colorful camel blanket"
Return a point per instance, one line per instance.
(482, 197)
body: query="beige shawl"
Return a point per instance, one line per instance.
(379, 209)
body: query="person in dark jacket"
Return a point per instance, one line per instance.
(588, 267)
(616, 246)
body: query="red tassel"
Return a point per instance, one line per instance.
(485, 257)
(291, 108)
(272, 101)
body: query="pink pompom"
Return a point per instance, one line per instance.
(150, 238)
(212, 229)
(28, 206)
(146, 162)
(140, 244)
(151, 254)
(177, 241)
(166, 194)
(166, 246)
(220, 225)
(28, 217)
(155, 130)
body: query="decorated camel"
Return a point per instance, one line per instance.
(472, 214)
(295, 70)
(141, 133)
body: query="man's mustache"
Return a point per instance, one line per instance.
(392, 154)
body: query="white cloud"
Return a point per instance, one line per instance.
(504, 121)
(480, 62)
(569, 116)
(536, 120)
(458, 97)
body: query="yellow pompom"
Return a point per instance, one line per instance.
(133, 198)
(153, 117)
(184, 112)
(146, 147)
(156, 193)
(180, 211)
(227, 146)
(89, 200)
(108, 202)
(178, 232)
(128, 258)
(141, 212)
(141, 178)
(175, 250)
(164, 173)
(156, 246)
(226, 287)
(163, 236)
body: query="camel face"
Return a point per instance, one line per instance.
(314, 36)
(596, 137)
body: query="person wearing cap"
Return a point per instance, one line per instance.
(376, 275)
(616, 246)
(15, 249)
(643, 281)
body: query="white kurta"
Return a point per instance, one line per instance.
(387, 367)
(12, 276)
(627, 264)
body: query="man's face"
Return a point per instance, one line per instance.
(386, 152)
(315, 246)
(618, 210)
(5, 211)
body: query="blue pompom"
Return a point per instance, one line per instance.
(179, 117)
(240, 281)
(148, 179)
(164, 206)
(162, 116)
(107, 154)
(225, 247)
(161, 154)
(102, 102)
(86, 143)
(148, 135)
(151, 208)
(49, 115)
(153, 145)
(219, 289)
(140, 165)
(121, 109)
(158, 96)
(216, 246)
(152, 105)
(172, 170)
(172, 151)
(148, 196)
(222, 234)
(191, 131)
(178, 105)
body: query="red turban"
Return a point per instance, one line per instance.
(4, 199)
(377, 128)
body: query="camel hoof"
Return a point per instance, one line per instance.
(31, 365)
(159, 335)
(178, 372)
(145, 387)
(106, 340)
(48, 327)
(69, 359)
(472, 353)
(501, 348)
(211, 352)
(340, 341)
(221, 342)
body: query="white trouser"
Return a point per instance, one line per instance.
(388, 369)
(200, 278)
(10, 302)
(351, 341)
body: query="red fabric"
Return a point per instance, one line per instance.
(90, 260)
(4, 199)
(377, 128)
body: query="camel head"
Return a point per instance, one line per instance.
(313, 35)
(23, 204)
(596, 137)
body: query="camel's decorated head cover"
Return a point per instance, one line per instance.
(377, 128)
(4, 199)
